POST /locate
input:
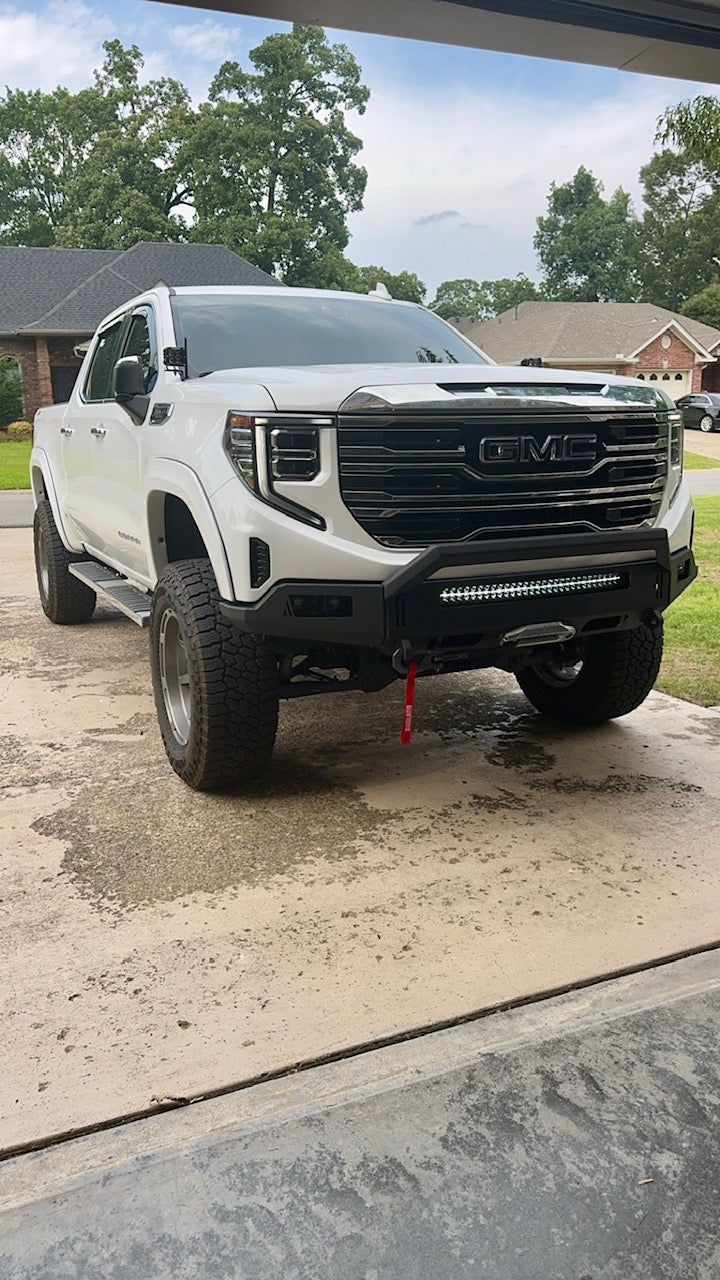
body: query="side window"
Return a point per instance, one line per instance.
(141, 342)
(98, 384)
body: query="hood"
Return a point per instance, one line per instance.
(367, 388)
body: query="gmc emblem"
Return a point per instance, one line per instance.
(555, 448)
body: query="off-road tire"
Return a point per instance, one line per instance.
(214, 686)
(616, 674)
(65, 600)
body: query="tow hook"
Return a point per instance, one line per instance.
(538, 633)
(405, 655)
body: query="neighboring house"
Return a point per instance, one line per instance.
(632, 338)
(51, 300)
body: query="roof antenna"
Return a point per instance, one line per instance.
(381, 291)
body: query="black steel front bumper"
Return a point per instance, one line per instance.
(408, 605)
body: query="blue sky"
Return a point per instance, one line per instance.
(460, 145)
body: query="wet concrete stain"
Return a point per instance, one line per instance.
(518, 751)
(616, 784)
(708, 728)
(134, 834)
(126, 853)
(504, 801)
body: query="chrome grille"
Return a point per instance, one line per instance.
(427, 478)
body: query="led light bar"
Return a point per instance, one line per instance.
(572, 584)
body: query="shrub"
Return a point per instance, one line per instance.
(20, 430)
(11, 390)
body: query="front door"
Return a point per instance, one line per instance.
(118, 450)
(82, 422)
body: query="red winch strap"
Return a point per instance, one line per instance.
(407, 722)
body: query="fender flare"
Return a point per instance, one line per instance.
(39, 462)
(164, 475)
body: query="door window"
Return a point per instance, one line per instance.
(98, 384)
(141, 342)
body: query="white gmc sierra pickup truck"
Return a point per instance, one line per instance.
(304, 491)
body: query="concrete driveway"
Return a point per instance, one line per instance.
(158, 943)
(706, 443)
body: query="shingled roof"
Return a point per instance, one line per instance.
(68, 291)
(581, 331)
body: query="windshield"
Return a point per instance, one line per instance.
(239, 332)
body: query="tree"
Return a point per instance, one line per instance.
(505, 293)
(129, 186)
(679, 252)
(694, 127)
(481, 301)
(405, 285)
(272, 160)
(464, 297)
(705, 305)
(95, 168)
(588, 247)
(44, 141)
(11, 391)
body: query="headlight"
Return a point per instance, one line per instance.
(275, 449)
(675, 453)
(294, 453)
(675, 422)
(239, 445)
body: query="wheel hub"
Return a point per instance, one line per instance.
(43, 566)
(175, 677)
(559, 674)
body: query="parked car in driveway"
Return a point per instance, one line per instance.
(701, 411)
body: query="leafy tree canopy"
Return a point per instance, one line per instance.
(679, 249)
(694, 127)
(481, 300)
(404, 285)
(587, 246)
(95, 168)
(266, 166)
(272, 160)
(705, 305)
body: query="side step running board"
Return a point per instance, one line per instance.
(114, 589)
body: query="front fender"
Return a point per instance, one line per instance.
(43, 486)
(164, 476)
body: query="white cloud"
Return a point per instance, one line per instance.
(491, 157)
(207, 41)
(42, 49)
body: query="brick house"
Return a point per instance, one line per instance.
(51, 300)
(637, 339)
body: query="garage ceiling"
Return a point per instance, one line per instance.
(681, 40)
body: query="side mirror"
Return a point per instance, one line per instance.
(128, 385)
(128, 379)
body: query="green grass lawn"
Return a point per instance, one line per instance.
(698, 462)
(691, 665)
(14, 464)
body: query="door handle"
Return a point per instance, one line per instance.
(66, 431)
(98, 431)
